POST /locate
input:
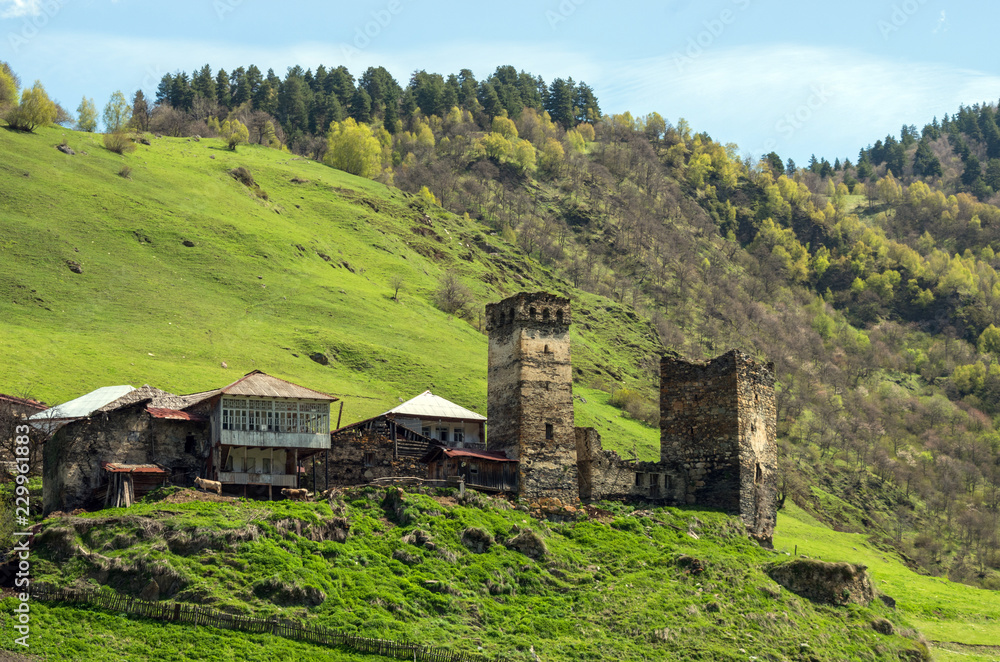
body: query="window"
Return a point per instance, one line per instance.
(369, 459)
(189, 444)
(549, 432)
(265, 465)
(276, 416)
(531, 313)
(442, 434)
(458, 435)
(545, 314)
(251, 465)
(426, 431)
(638, 480)
(229, 462)
(559, 316)
(758, 474)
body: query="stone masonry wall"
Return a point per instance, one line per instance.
(72, 463)
(758, 447)
(360, 456)
(717, 428)
(699, 430)
(606, 476)
(530, 393)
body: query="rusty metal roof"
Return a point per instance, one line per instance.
(174, 414)
(492, 456)
(119, 468)
(260, 384)
(26, 402)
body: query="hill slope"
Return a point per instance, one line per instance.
(474, 573)
(269, 281)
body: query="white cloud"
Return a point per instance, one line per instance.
(794, 99)
(15, 8)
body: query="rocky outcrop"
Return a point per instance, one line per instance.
(827, 583)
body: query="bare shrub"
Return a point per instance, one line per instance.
(453, 297)
(118, 142)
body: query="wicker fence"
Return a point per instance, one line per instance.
(195, 615)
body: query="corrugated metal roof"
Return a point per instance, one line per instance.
(85, 405)
(119, 468)
(155, 396)
(25, 402)
(428, 405)
(174, 415)
(260, 384)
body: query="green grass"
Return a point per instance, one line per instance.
(255, 291)
(61, 632)
(942, 610)
(605, 590)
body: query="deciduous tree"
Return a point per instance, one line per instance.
(35, 109)
(117, 113)
(353, 148)
(86, 115)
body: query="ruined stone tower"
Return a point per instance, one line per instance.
(530, 395)
(717, 430)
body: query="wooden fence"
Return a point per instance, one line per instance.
(195, 615)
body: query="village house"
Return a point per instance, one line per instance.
(441, 420)
(116, 453)
(487, 471)
(249, 435)
(261, 428)
(394, 443)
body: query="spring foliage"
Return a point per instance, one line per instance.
(34, 110)
(353, 148)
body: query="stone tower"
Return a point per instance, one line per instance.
(530, 394)
(717, 429)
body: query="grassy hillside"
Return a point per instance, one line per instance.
(665, 584)
(945, 612)
(299, 266)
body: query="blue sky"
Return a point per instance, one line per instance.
(798, 78)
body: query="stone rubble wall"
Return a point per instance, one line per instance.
(347, 460)
(73, 457)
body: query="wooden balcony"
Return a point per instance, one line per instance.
(243, 478)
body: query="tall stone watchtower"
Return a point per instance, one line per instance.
(530, 394)
(717, 429)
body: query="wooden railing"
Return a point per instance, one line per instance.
(195, 615)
